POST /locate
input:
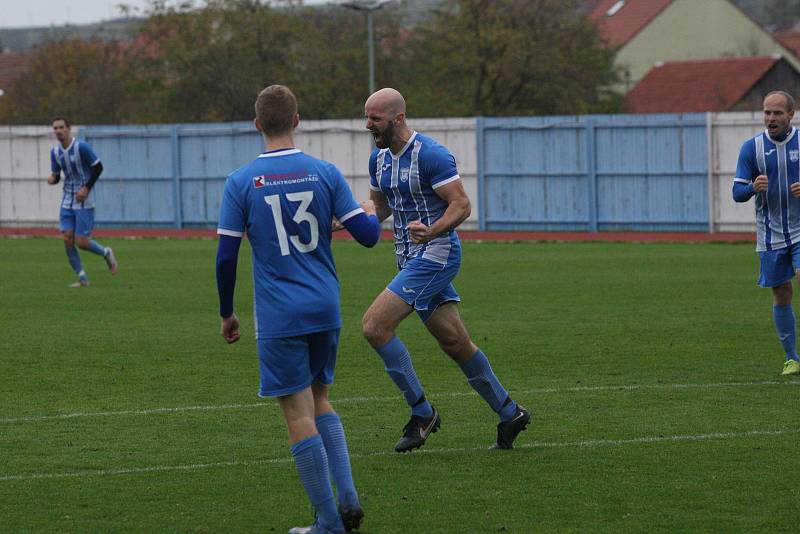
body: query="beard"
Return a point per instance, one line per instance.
(384, 138)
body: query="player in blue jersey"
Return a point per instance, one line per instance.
(769, 169)
(286, 201)
(415, 179)
(81, 168)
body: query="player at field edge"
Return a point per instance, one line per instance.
(81, 168)
(415, 179)
(769, 169)
(286, 201)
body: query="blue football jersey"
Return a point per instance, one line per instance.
(409, 181)
(777, 210)
(75, 162)
(285, 200)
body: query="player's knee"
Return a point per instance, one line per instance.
(455, 346)
(782, 294)
(82, 243)
(374, 332)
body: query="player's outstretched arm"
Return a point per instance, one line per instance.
(365, 227)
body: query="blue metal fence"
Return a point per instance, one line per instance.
(167, 175)
(596, 172)
(586, 173)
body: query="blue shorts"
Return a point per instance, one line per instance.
(291, 364)
(80, 221)
(778, 266)
(425, 284)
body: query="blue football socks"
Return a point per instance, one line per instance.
(312, 466)
(483, 380)
(785, 326)
(330, 428)
(74, 259)
(97, 248)
(398, 364)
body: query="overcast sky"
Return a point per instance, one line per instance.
(29, 13)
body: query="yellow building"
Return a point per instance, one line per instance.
(647, 32)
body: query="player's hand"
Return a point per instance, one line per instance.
(229, 328)
(52, 179)
(795, 189)
(760, 183)
(419, 233)
(82, 193)
(369, 207)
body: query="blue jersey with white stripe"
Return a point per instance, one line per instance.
(409, 181)
(777, 210)
(75, 162)
(285, 200)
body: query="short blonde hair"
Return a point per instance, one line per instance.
(276, 107)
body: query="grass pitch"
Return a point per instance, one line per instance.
(652, 372)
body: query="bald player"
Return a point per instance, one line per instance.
(415, 180)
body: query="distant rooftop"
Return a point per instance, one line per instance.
(698, 85)
(619, 21)
(790, 40)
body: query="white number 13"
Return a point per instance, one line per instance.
(304, 198)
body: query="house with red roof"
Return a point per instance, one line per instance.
(726, 84)
(789, 39)
(647, 32)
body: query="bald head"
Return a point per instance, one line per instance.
(778, 114)
(387, 100)
(385, 111)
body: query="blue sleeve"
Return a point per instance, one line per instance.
(88, 155)
(366, 229)
(746, 172)
(742, 192)
(232, 215)
(747, 167)
(439, 167)
(55, 168)
(227, 255)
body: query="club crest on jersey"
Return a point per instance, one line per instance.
(404, 172)
(794, 155)
(259, 181)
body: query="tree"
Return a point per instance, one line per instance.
(208, 64)
(507, 57)
(79, 79)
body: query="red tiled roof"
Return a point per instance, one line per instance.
(11, 67)
(697, 86)
(625, 23)
(790, 40)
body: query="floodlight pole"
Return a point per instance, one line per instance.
(368, 6)
(371, 51)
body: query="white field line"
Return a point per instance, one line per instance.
(286, 460)
(346, 400)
